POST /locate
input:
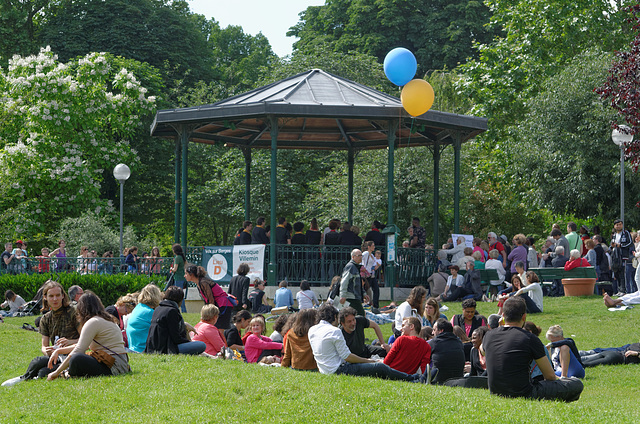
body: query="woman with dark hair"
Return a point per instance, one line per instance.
(297, 350)
(306, 297)
(155, 264)
(132, 260)
(179, 262)
(478, 362)
(313, 235)
(101, 334)
(370, 267)
(469, 320)
(168, 331)
(257, 298)
(412, 307)
(232, 335)
(212, 293)
(59, 329)
(61, 256)
(239, 286)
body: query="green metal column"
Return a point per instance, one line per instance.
(436, 193)
(391, 138)
(273, 267)
(456, 181)
(350, 162)
(176, 233)
(185, 149)
(247, 183)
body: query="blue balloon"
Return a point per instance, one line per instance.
(400, 66)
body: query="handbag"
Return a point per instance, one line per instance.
(103, 357)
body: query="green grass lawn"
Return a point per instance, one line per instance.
(197, 389)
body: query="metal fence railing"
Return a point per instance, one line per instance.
(316, 264)
(81, 265)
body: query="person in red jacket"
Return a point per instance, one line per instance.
(575, 261)
(409, 352)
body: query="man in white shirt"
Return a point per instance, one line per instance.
(333, 356)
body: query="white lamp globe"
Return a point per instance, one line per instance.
(621, 138)
(121, 172)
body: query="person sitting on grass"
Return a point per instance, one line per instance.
(123, 306)
(140, 319)
(207, 330)
(13, 301)
(59, 328)
(353, 326)
(102, 335)
(258, 346)
(431, 312)
(278, 325)
(478, 363)
(283, 296)
(564, 354)
(168, 331)
(241, 321)
(306, 297)
(409, 352)
(297, 350)
(447, 352)
(509, 350)
(469, 319)
(334, 357)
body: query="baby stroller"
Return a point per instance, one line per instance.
(33, 306)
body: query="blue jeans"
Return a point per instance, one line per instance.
(192, 348)
(374, 369)
(630, 284)
(183, 285)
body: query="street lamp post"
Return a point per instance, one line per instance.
(121, 172)
(621, 138)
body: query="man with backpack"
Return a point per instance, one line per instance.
(622, 247)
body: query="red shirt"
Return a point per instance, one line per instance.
(576, 263)
(408, 353)
(498, 246)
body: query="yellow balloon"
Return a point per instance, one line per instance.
(417, 97)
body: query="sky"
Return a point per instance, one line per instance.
(271, 17)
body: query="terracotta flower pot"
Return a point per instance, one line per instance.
(578, 286)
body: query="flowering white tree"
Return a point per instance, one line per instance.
(62, 129)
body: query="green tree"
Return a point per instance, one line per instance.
(440, 33)
(61, 127)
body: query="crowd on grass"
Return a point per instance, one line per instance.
(502, 352)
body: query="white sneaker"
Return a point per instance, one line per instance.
(13, 381)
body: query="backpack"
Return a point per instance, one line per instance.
(616, 260)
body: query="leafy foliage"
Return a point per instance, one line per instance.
(440, 33)
(621, 87)
(62, 126)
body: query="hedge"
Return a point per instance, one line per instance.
(107, 287)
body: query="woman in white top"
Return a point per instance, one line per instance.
(306, 297)
(454, 280)
(101, 334)
(412, 307)
(369, 263)
(532, 293)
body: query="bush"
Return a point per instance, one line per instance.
(107, 287)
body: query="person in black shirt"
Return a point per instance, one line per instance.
(259, 234)
(298, 237)
(241, 321)
(245, 235)
(348, 237)
(375, 235)
(509, 351)
(447, 352)
(333, 238)
(353, 326)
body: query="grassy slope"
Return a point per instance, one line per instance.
(190, 389)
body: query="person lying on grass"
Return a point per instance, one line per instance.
(258, 346)
(626, 300)
(59, 328)
(102, 335)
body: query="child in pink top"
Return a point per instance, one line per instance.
(207, 331)
(257, 343)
